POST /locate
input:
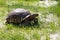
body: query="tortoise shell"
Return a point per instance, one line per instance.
(16, 16)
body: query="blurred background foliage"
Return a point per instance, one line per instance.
(48, 21)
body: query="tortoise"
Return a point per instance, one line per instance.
(21, 16)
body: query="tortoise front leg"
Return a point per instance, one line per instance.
(35, 20)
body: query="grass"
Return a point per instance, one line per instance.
(41, 31)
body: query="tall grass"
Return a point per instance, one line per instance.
(40, 31)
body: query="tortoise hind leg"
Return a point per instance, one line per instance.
(7, 22)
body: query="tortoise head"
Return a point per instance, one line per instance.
(35, 15)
